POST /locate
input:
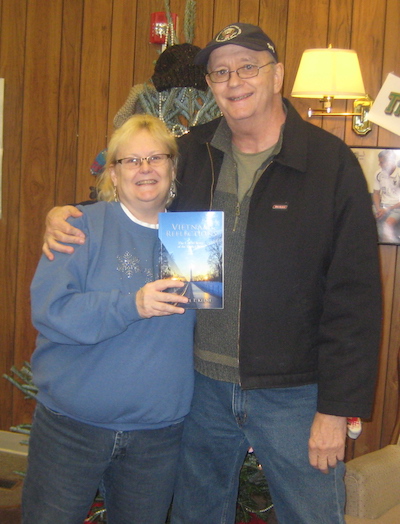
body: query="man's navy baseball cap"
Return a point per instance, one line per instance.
(245, 35)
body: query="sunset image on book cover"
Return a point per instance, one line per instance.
(192, 251)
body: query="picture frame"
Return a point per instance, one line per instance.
(381, 168)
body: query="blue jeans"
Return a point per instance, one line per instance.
(223, 423)
(69, 461)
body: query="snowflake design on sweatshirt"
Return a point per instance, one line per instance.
(128, 265)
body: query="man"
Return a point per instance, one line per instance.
(294, 351)
(386, 195)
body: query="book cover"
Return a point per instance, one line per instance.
(192, 251)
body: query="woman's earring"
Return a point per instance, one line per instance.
(172, 192)
(116, 199)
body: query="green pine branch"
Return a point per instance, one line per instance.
(23, 380)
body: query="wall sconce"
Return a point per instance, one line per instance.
(333, 73)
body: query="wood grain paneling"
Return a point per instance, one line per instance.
(300, 36)
(38, 155)
(224, 13)
(204, 30)
(273, 18)
(339, 35)
(367, 19)
(249, 11)
(12, 61)
(122, 56)
(68, 107)
(94, 89)
(68, 68)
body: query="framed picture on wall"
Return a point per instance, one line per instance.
(381, 167)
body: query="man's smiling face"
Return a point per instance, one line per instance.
(238, 98)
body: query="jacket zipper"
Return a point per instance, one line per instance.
(237, 215)
(212, 176)
(238, 332)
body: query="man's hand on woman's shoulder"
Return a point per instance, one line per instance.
(59, 230)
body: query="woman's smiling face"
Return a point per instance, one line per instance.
(143, 189)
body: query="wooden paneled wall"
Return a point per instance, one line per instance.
(68, 67)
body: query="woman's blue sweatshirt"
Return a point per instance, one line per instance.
(96, 360)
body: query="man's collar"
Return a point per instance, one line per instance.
(294, 143)
(222, 138)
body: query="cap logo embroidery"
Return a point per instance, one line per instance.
(228, 33)
(271, 47)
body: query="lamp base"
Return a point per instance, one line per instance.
(362, 106)
(361, 123)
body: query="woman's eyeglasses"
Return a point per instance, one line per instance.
(134, 162)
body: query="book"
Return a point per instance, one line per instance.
(192, 251)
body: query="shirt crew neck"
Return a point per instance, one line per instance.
(136, 220)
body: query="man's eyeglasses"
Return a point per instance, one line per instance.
(134, 162)
(247, 71)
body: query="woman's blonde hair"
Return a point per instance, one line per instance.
(136, 123)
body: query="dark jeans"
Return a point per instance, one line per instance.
(69, 461)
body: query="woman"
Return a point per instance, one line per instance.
(113, 362)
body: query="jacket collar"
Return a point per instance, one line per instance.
(204, 133)
(295, 138)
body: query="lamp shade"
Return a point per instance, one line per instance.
(329, 72)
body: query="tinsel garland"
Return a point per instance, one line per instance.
(170, 37)
(178, 107)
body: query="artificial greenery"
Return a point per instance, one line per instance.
(253, 496)
(22, 379)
